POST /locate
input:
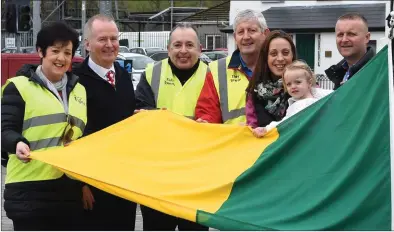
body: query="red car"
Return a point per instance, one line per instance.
(12, 62)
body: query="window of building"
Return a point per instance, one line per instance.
(212, 42)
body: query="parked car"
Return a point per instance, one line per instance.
(164, 54)
(204, 58)
(215, 55)
(148, 51)
(159, 55)
(221, 49)
(29, 50)
(11, 63)
(23, 50)
(8, 50)
(78, 52)
(139, 63)
(123, 49)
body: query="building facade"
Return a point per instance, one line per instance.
(312, 25)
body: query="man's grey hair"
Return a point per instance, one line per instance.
(248, 14)
(184, 25)
(88, 26)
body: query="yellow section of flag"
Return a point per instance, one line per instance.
(163, 160)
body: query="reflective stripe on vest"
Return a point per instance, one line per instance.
(52, 119)
(231, 87)
(169, 92)
(156, 79)
(45, 122)
(222, 76)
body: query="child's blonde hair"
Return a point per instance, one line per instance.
(300, 65)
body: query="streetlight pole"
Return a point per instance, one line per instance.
(36, 20)
(106, 8)
(172, 5)
(83, 20)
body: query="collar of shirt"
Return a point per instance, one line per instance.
(245, 68)
(101, 71)
(345, 66)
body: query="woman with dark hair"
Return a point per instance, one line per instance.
(43, 107)
(267, 99)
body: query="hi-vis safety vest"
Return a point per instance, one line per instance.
(169, 92)
(231, 86)
(44, 124)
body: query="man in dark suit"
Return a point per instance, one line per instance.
(110, 99)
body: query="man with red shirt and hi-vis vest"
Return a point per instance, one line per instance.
(223, 96)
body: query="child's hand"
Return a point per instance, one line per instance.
(259, 132)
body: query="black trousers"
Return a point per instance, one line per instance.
(50, 223)
(156, 220)
(110, 213)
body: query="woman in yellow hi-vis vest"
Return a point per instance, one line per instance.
(43, 107)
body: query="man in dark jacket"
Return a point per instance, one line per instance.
(352, 37)
(110, 99)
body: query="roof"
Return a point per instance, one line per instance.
(220, 12)
(320, 18)
(162, 17)
(177, 12)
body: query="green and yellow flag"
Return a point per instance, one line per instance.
(326, 168)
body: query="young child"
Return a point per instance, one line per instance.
(300, 82)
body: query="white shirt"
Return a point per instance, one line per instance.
(101, 71)
(296, 105)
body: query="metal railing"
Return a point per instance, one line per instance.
(25, 38)
(324, 82)
(144, 39)
(160, 39)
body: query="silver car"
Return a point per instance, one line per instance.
(139, 63)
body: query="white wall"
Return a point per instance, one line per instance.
(327, 43)
(236, 6)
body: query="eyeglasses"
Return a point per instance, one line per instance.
(67, 135)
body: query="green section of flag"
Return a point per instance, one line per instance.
(329, 169)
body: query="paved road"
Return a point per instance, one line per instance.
(6, 224)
